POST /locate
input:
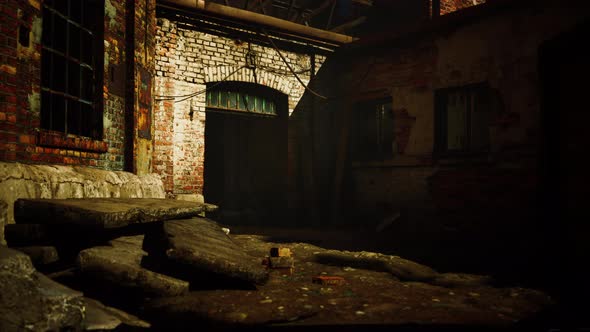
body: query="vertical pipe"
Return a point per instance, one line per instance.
(130, 86)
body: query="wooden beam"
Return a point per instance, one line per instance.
(331, 15)
(364, 2)
(269, 21)
(291, 3)
(320, 8)
(349, 25)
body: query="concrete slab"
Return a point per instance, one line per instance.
(200, 244)
(104, 212)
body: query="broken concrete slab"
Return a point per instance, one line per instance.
(399, 267)
(120, 264)
(40, 255)
(200, 245)
(100, 317)
(31, 301)
(104, 212)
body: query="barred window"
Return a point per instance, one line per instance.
(240, 97)
(71, 67)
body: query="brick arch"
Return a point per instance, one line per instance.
(263, 77)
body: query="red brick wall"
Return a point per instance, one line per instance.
(411, 71)
(449, 6)
(19, 79)
(20, 137)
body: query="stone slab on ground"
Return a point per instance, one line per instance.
(31, 301)
(399, 267)
(60, 181)
(40, 255)
(120, 264)
(104, 212)
(100, 317)
(200, 244)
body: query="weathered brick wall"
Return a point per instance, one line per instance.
(20, 138)
(462, 55)
(449, 6)
(185, 61)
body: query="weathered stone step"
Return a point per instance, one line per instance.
(201, 245)
(29, 301)
(105, 212)
(120, 264)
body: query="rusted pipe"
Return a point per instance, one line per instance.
(269, 21)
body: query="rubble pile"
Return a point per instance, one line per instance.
(101, 243)
(160, 264)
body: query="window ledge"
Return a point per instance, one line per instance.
(67, 141)
(398, 161)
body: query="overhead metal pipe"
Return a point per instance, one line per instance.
(265, 20)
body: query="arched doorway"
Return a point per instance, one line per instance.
(246, 152)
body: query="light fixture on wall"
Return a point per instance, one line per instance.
(251, 59)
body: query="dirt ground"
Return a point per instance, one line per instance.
(367, 299)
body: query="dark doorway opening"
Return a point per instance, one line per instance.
(246, 153)
(564, 70)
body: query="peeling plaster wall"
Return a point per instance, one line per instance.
(185, 61)
(501, 49)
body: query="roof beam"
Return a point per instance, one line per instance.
(269, 21)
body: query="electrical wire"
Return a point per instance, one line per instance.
(194, 94)
(289, 66)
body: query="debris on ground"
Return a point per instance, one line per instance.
(184, 269)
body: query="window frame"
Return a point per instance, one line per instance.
(377, 152)
(244, 92)
(441, 120)
(61, 107)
